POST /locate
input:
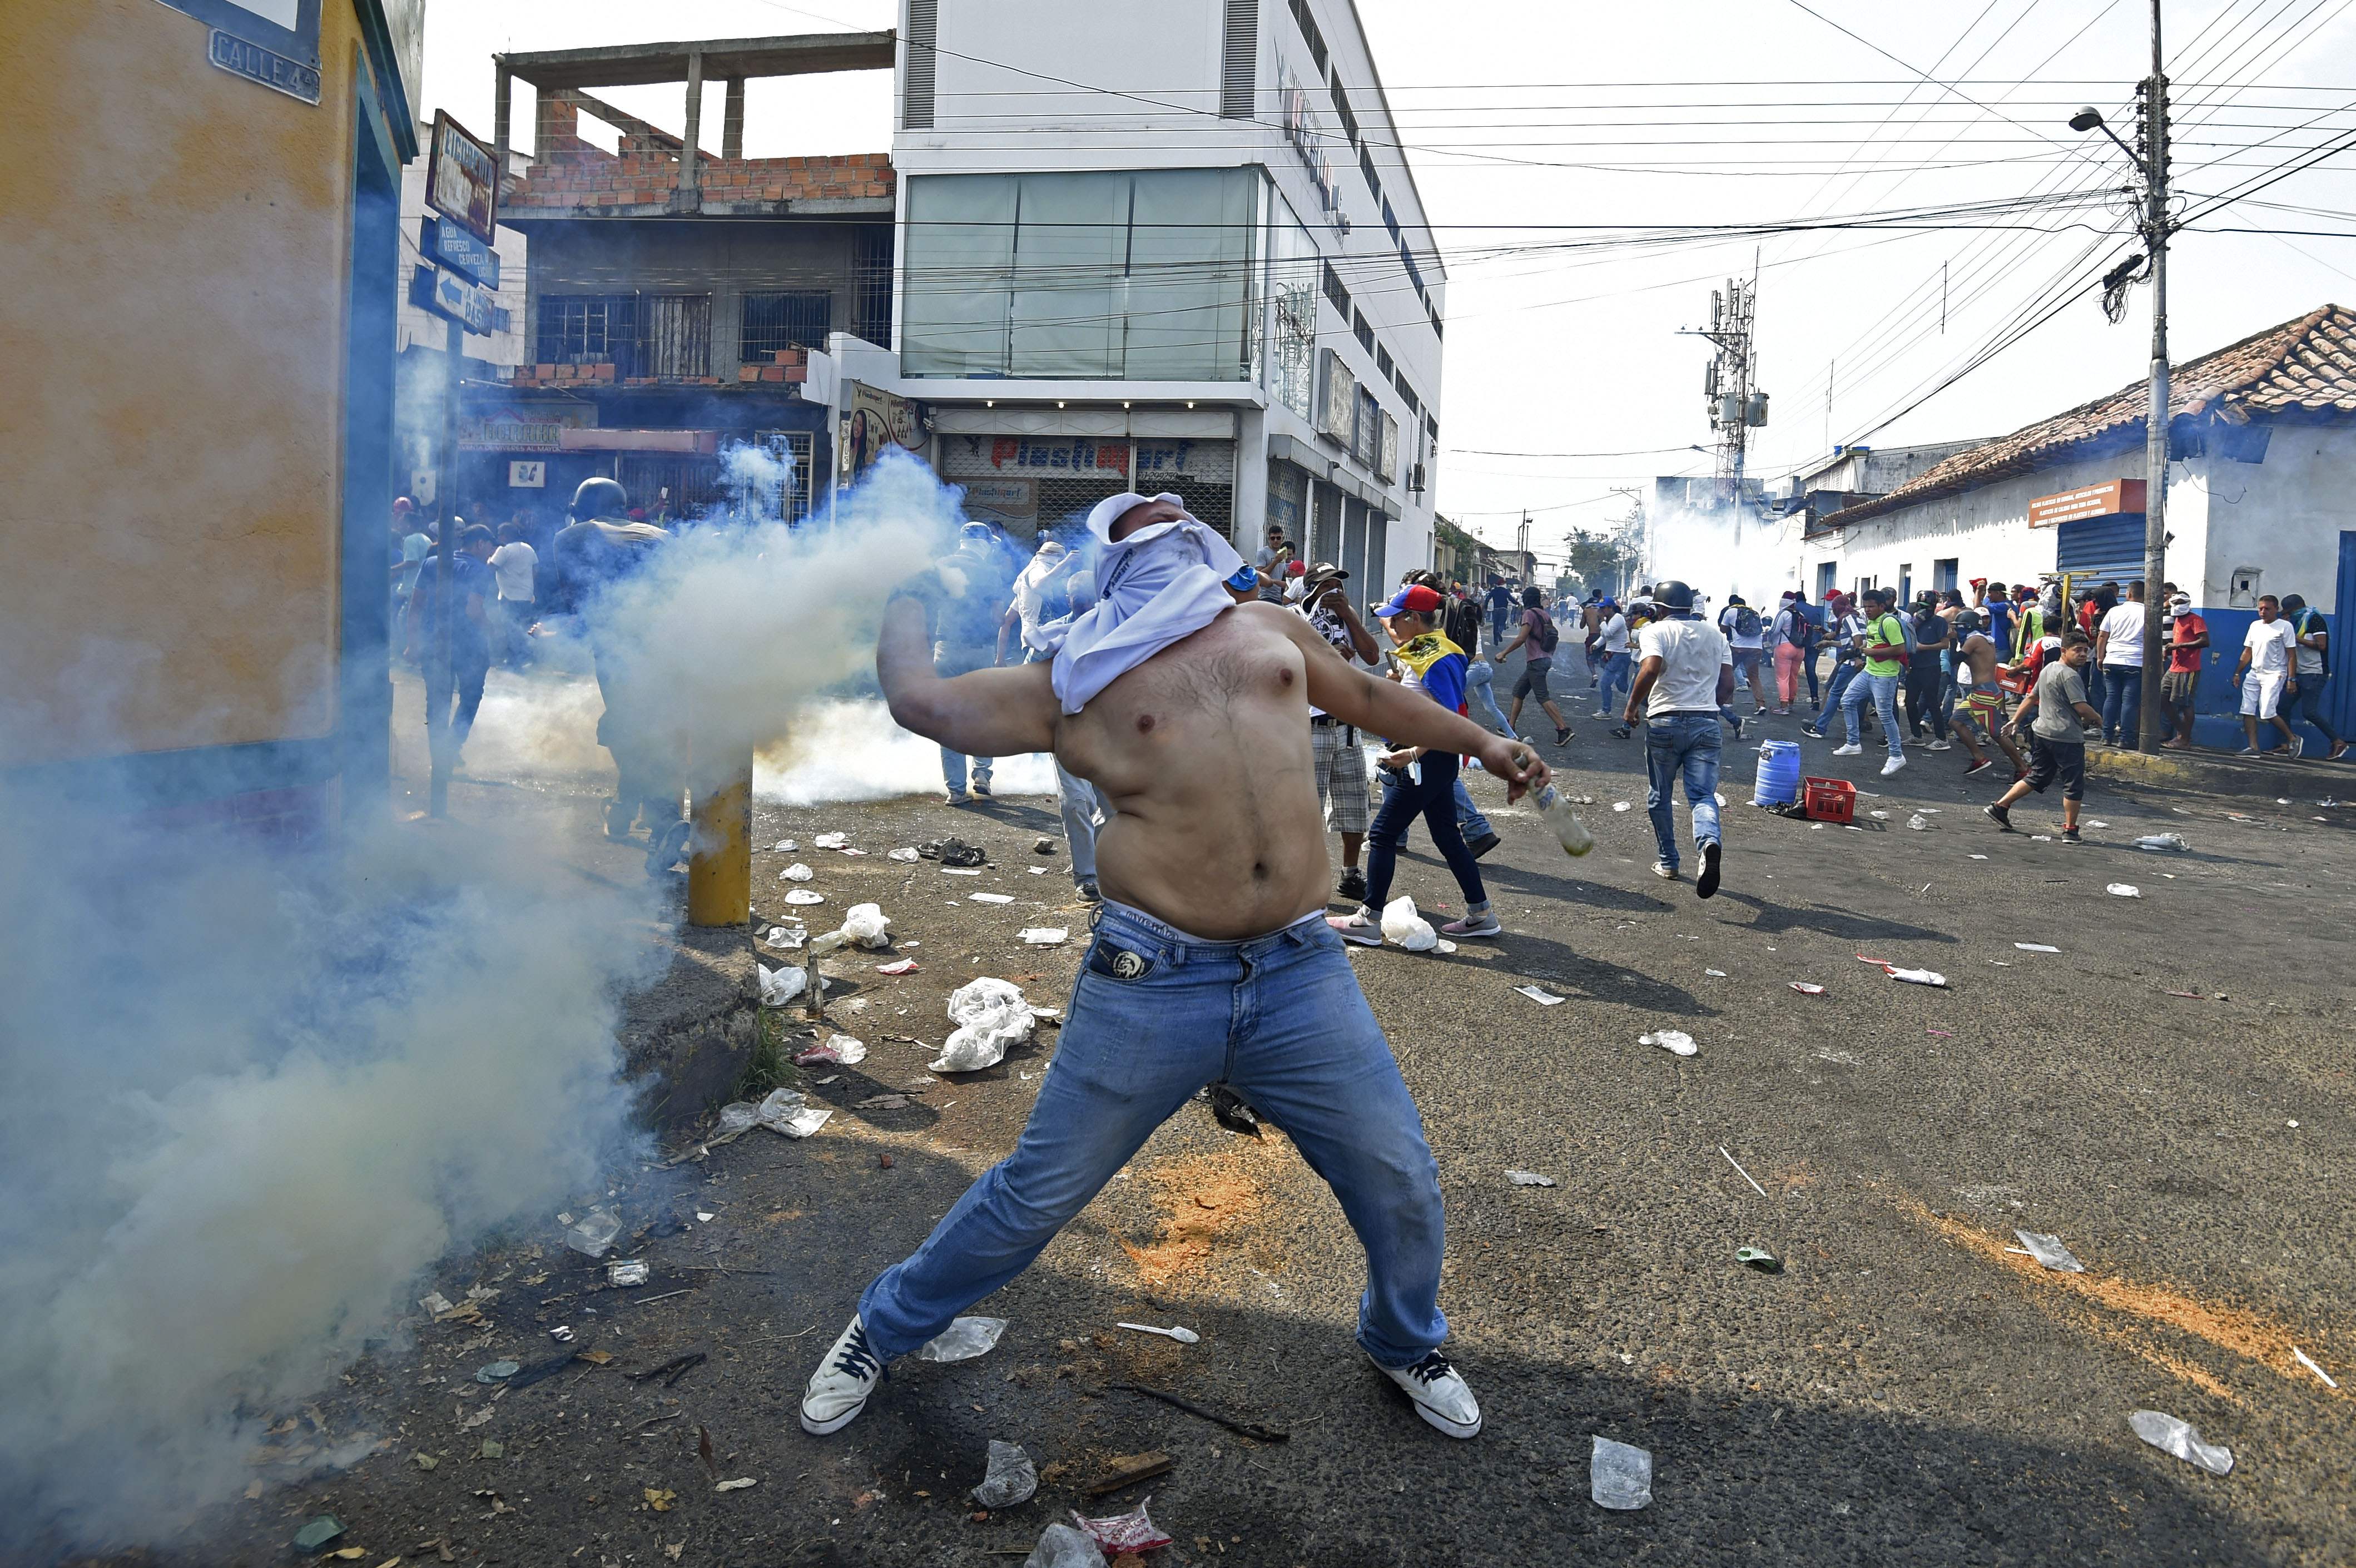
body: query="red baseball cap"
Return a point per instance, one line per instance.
(1414, 599)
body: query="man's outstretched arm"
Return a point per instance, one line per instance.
(1000, 711)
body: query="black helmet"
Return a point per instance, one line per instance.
(600, 498)
(1676, 595)
(1966, 622)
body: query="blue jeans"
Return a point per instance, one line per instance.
(1835, 689)
(1155, 1015)
(2307, 703)
(1435, 800)
(1681, 746)
(1618, 673)
(1469, 820)
(1480, 691)
(947, 661)
(1882, 691)
(2122, 702)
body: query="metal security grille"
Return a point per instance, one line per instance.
(681, 482)
(924, 40)
(1239, 62)
(798, 445)
(798, 318)
(871, 283)
(585, 329)
(675, 334)
(1063, 500)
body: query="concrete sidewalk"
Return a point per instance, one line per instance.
(2309, 779)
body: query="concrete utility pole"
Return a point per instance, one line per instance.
(2152, 729)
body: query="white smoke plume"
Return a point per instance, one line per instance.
(1718, 554)
(249, 1097)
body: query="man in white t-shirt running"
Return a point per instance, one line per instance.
(1612, 643)
(1748, 647)
(2264, 673)
(514, 567)
(1685, 676)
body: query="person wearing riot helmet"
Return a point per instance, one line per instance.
(1685, 676)
(600, 548)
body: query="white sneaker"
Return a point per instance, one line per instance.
(1851, 750)
(1439, 1394)
(1893, 766)
(837, 1390)
(1665, 871)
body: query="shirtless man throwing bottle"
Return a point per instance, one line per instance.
(1211, 961)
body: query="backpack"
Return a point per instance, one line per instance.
(1545, 636)
(1746, 622)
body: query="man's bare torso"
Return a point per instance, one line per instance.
(1979, 653)
(1205, 752)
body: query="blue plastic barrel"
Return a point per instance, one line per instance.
(1779, 774)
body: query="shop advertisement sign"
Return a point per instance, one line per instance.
(523, 429)
(1066, 454)
(876, 420)
(528, 476)
(1002, 501)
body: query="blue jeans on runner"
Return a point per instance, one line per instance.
(1619, 673)
(1882, 691)
(1480, 691)
(1435, 800)
(2122, 702)
(947, 661)
(1155, 1015)
(1681, 746)
(1469, 820)
(1835, 689)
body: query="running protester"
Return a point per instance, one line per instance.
(1746, 636)
(1211, 961)
(1537, 637)
(2057, 746)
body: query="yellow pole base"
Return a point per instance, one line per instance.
(719, 859)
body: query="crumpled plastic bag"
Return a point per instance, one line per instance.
(993, 1017)
(1012, 1478)
(1062, 1546)
(962, 1340)
(1410, 930)
(781, 985)
(839, 1049)
(797, 872)
(1674, 1041)
(865, 926)
(2171, 1435)
(1133, 1531)
(787, 1113)
(739, 1116)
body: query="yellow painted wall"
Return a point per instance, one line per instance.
(175, 243)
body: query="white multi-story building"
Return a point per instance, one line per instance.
(1169, 247)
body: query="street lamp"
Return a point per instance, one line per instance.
(2092, 119)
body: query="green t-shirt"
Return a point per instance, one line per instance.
(1884, 628)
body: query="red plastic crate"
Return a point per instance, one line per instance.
(1830, 800)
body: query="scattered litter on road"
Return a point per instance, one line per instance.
(865, 925)
(1919, 822)
(1807, 988)
(1410, 930)
(737, 1485)
(1127, 1470)
(797, 872)
(1911, 976)
(803, 896)
(1620, 805)
(2123, 890)
(1979, 857)
(497, 1371)
(670, 1372)
(1677, 1042)
(1715, 973)
(991, 897)
(786, 1112)
(1063, 1546)
(908, 854)
(1183, 1336)
(903, 966)
(2170, 1435)
(1443, 947)
(1942, 1034)
(318, 1533)
(1130, 1531)
(1740, 1171)
(1530, 1178)
(2307, 1361)
(627, 1271)
(962, 1340)
(959, 871)
(426, 1461)
(1758, 1257)
(2036, 946)
(786, 937)
(782, 985)
(1045, 936)
(952, 851)
(2162, 841)
(1035, 871)
(840, 1049)
(2049, 1251)
(657, 1499)
(596, 1232)
(2187, 996)
(1542, 998)
(1881, 816)
(829, 840)
(1010, 1477)
(787, 846)
(992, 1018)
(561, 1334)
(435, 1304)
(1619, 1475)
(1251, 1429)
(1230, 1110)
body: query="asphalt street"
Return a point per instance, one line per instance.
(2169, 1094)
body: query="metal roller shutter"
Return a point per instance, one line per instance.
(2101, 546)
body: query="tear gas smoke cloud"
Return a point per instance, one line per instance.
(1707, 550)
(247, 1100)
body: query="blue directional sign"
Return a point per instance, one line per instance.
(455, 248)
(454, 298)
(268, 67)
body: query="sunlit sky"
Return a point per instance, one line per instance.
(1564, 373)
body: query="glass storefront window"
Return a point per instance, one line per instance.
(1293, 286)
(1143, 275)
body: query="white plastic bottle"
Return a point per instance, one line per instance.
(1576, 839)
